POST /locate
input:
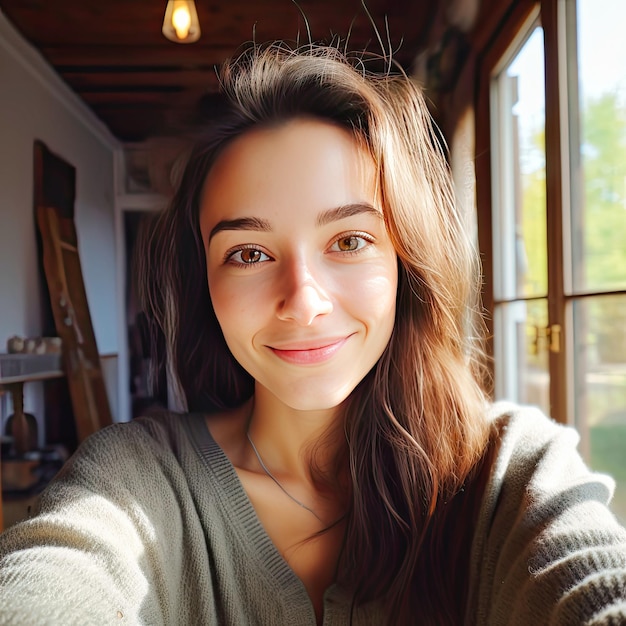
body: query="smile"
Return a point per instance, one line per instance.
(309, 355)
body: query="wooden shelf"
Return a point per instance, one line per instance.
(23, 368)
(15, 371)
(27, 378)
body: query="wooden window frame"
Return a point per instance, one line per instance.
(551, 13)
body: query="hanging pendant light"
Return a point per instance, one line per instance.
(180, 23)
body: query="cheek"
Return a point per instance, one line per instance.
(375, 294)
(236, 305)
(224, 304)
(382, 291)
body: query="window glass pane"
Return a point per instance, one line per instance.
(599, 172)
(520, 174)
(600, 386)
(521, 352)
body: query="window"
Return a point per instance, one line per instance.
(556, 88)
(519, 223)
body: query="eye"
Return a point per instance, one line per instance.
(246, 256)
(351, 242)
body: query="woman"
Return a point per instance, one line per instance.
(311, 290)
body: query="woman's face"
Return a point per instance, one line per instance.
(301, 271)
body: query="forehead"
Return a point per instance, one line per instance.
(305, 162)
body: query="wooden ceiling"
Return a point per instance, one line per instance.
(113, 55)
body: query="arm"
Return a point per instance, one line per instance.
(547, 549)
(93, 553)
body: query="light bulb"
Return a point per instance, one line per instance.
(181, 21)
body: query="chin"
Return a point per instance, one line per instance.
(318, 399)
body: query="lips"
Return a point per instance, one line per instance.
(303, 354)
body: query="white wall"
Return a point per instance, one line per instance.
(36, 104)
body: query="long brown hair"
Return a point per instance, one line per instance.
(415, 425)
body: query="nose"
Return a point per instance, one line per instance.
(303, 298)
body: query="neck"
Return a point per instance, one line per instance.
(287, 437)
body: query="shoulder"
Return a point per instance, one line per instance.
(159, 430)
(141, 455)
(526, 422)
(538, 462)
(538, 472)
(532, 445)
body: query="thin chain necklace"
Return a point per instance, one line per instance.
(258, 456)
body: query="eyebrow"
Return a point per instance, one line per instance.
(243, 223)
(324, 218)
(346, 210)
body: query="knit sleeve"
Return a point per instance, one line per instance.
(548, 550)
(106, 545)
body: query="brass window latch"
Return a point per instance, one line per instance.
(550, 336)
(553, 334)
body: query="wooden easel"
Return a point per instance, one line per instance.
(68, 300)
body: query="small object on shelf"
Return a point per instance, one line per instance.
(21, 426)
(34, 345)
(23, 429)
(15, 345)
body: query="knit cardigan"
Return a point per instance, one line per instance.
(149, 524)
